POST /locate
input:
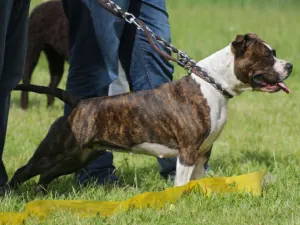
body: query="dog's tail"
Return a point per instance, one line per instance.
(56, 92)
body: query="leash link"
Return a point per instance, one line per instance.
(184, 60)
(130, 18)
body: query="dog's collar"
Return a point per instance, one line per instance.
(204, 75)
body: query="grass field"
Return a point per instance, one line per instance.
(262, 131)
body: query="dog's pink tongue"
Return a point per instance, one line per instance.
(284, 87)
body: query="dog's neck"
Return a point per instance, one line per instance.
(220, 66)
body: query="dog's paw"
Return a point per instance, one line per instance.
(40, 190)
(4, 190)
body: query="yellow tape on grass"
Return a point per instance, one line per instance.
(248, 183)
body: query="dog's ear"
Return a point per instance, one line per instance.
(241, 43)
(240, 38)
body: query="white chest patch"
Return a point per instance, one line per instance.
(154, 149)
(218, 111)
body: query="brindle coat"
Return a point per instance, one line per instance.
(161, 116)
(175, 115)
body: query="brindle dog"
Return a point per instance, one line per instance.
(181, 118)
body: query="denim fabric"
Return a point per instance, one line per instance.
(13, 39)
(97, 41)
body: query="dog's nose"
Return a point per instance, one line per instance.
(288, 67)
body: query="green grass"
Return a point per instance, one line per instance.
(262, 130)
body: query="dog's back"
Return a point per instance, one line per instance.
(49, 26)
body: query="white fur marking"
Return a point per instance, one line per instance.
(220, 67)
(218, 113)
(279, 68)
(268, 46)
(183, 173)
(279, 65)
(154, 149)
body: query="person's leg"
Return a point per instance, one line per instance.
(13, 36)
(4, 101)
(145, 68)
(3, 125)
(94, 41)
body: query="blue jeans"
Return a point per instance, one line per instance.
(13, 39)
(97, 41)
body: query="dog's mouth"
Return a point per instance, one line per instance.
(261, 84)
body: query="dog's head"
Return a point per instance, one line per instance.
(256, 64)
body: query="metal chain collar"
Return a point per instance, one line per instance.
(182, 59)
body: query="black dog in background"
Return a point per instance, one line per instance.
(47, 32)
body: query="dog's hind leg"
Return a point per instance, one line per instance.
(38, 164)
(21, 175)
(64, 167)
(58, 145)
(56, 66)
(67, 166)
(58, 154)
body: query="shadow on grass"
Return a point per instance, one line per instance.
(65, 186)
(147, 177)
(254, 158)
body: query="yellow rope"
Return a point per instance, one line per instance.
(249, 183)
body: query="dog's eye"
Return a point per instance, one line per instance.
(274, 52)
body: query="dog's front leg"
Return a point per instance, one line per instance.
(200, 165)
(199, 168)
(183, 172)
